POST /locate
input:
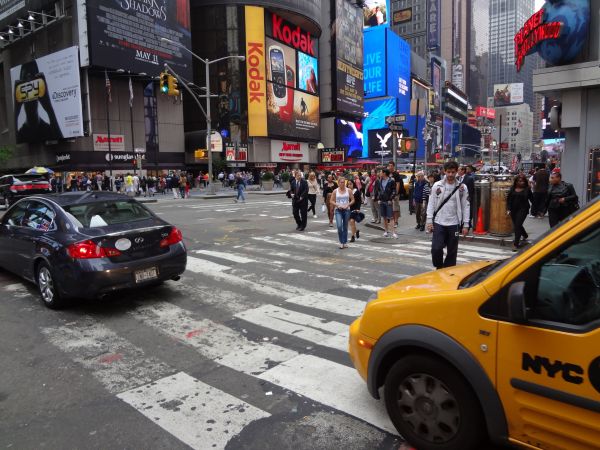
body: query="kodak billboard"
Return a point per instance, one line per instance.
(256, 71)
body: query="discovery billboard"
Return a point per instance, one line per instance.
(508, 94)
(47, 97)
(126, 34)
(348, 72)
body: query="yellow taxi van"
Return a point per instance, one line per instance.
(507, 351)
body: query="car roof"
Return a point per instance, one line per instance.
(73, 198)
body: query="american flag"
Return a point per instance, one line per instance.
(107, 86)
(130, 93)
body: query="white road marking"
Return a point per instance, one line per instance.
(303, 326)
(198, 265)
(331, 384)
(115, 362)
(476, 248)
(331, 303)
(467, 254)
(197, 414)
(226, 256)
(212, 340)
(262, 285)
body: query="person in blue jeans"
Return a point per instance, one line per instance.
(341, 200)
(240, 184)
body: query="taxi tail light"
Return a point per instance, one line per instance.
(174, 237)
(90, 250)
(26, 187)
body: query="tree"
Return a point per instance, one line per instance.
(6, 153)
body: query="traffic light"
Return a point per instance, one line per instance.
(173, 86)
(164, 82)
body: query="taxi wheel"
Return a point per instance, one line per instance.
(49, 293)
(432, 406)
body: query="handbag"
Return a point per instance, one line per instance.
(357, 216)
(323, 208)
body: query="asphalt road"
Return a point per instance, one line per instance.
(237, 354)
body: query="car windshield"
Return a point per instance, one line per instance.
(102, 214)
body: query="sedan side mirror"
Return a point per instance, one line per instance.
(517, 310)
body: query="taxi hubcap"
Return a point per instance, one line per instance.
(429, 407)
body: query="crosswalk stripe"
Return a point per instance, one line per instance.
(198, 265)
(197, 414)
(212, 340)
(330, 303)
(226, 256)
(292, 323)
(115, 362)
(469, 254)
(475, 248)
(262, 286)
(337, 386)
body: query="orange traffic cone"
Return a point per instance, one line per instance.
(479, 229)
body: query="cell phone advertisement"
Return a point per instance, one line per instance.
(292, 81)
(47, 97)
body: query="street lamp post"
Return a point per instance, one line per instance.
(207, 112)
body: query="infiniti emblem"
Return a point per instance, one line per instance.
(138, 240)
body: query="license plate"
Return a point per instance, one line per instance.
(146, 274)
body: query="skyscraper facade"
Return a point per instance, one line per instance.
(413, 30)
(480, 50)
(506, 17)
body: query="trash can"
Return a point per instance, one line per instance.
(500, 223)
(482, 200)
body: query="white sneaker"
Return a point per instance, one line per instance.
(386, 234)
(395, 236)
(315, 216)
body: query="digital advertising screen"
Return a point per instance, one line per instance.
(47, 97)
(447, 130)
(436, 82)
(350, 137)
(376, 111)
(127, 35)
(291, 57)
(376, 13)
(375, 68)
(349, 71)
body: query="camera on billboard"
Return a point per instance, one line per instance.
(28, 91)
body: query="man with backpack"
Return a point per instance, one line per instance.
(448, 214)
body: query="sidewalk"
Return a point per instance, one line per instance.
(201, 193)
(407, 223)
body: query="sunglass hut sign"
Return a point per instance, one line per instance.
(293, 36)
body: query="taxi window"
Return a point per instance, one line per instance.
(39, 217)
(568, 288)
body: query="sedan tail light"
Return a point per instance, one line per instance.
(174, 237)
(90, 250)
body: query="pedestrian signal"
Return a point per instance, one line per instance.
(408, 145)
(173, 86)
(164, 83)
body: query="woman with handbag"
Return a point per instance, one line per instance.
(355, 214)
(313, 191)
(518, 202)
(341, 201)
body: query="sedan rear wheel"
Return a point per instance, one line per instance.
(47, 286)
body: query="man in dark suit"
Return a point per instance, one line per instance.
(299, 194)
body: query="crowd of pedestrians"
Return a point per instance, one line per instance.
(440, 201)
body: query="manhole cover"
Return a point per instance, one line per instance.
(238, 220)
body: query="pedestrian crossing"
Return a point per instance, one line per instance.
(273, 311)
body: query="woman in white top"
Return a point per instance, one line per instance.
(342, 199)
(313, 191)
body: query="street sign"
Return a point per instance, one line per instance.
(395, 119)
(396, 127)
